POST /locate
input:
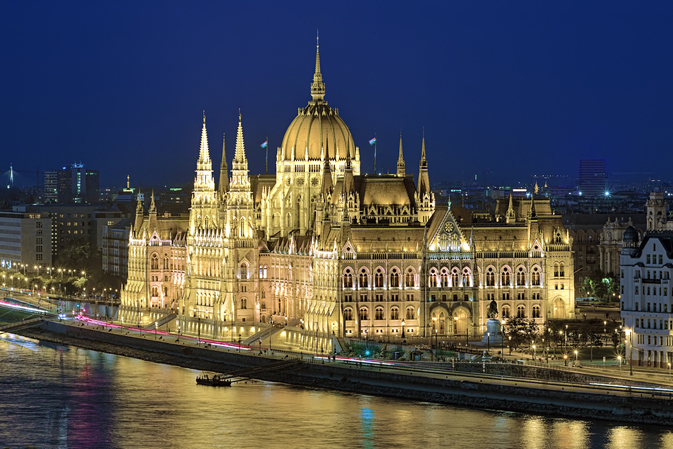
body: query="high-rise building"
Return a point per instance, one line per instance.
(332, 252)
(593, 178)
(50, 186)
(78, 185)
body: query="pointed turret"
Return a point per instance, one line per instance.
(204, 166)
(423, 176)
(400, 161)
(137, 225)
(349, 182)
(532, 212)
(204, 153)
(239, 155)
(317, 87)
(509, 215)
(327, 172)
(153, 214)
(224, 175)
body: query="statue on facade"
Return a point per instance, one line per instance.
(492, 310)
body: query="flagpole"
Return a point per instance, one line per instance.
(267, 154)
(375, 142)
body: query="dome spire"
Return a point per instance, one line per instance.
(317, 87)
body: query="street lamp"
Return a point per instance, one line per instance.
(488, 340)
(619, 358)
(402, 329)
(239, 343)
(576, 356)
(509, 345)
(534, 353)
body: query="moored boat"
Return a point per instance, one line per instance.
(215, 381)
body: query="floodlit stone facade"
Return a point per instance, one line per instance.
(330, 252)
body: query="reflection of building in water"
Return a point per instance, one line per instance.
(327, 250)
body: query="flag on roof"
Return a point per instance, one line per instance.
(265, 144)
(373, 141)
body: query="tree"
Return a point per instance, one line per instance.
(521, 330)
(604, 286)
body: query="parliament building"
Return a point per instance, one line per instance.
(330, 253)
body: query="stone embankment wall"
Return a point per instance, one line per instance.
(474, 392)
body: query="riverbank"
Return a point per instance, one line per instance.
(466, 390)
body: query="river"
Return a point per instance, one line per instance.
(55, 396)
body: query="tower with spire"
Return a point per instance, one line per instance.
(425, 198)
(400, 161)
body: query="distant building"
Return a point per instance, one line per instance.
(593, 178)
(50, 186)
(24, 239)
(69, 223)
(77, 185)
(115, 247)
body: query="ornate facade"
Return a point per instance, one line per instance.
(331, 252)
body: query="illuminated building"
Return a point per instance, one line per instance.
(645, 273)
(331, 252)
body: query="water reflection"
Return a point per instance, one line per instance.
(53, 397)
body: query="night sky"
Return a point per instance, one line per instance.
(512, 89)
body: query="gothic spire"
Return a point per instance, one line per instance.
(423, 176)
(153, 207)
(204, 153)
(317, 87)
(400, 161)
(224, 175)
(239, 155)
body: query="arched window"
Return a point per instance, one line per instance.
(244, 270)
(535, 276)
(263, 294)
(561, 269)
(394, 278)
(378, 278)
(348, 314)
(466, 277)
(505, 312)
(364, 313)
(154, 263)
(395, 313)
(165, 262)
(411, 313)
(409, 279)
(348, 278)
(556, 270)
(433, 278)
(155, 291)
(536, 311)
(454, 277)
(505, 277)
(379, 315)
(520, 277)
(263, 305)
(364, 278)
(490, 277)
(521, 312)
(244, 303)
(444, 278)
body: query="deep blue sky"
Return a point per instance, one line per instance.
(514, 88)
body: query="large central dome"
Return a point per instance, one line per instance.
(317, 127)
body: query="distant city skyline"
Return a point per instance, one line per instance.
(504, 89)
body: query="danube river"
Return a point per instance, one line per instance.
(64, 397)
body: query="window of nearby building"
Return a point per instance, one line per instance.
(521, 311)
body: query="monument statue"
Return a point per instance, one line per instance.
(492, 310)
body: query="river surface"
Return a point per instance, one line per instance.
(55, 396)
